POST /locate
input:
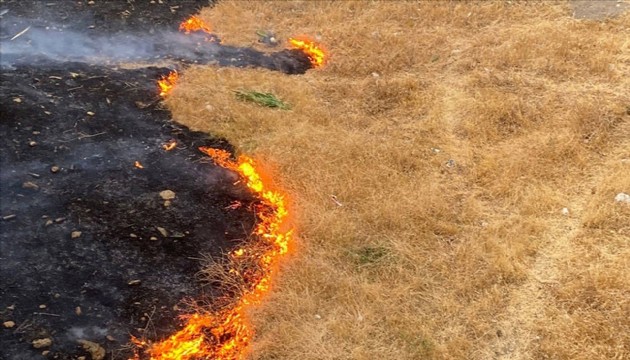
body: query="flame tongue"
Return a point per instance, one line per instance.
(226, 334)
(194, 23)
(166, 83)
(314, 52)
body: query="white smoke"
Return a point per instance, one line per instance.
(53, 43)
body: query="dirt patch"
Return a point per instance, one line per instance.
(598, 10)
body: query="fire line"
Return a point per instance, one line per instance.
(226, 334)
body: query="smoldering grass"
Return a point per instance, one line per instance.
(232, 277)
(262, 98)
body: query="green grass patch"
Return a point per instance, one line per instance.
(369, 255)
(262, 99)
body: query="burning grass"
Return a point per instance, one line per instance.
(166, 83)
(428, 163)
(222, 331)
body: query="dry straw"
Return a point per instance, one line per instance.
(452, 134)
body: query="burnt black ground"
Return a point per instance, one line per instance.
(116, 206)
(92, 123)
(108, 16)
(114, 32)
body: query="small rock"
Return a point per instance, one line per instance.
(54, 169)
(75, 234)
(153, 238)
(90, 113)
(8, 324)
(318, 317)
(60, 220)
(42, 306)
(42, 343)
(134, 282)
(9, 217)
(57, 295)
(167, 195)
(162, 231)
(45, 352)
(11, 307)
(17, 100)
(96, 350)
(622, 197)
(30, 185)
(110, 338)
(565, 211)
(32, 143)
(132, 235)
(78, 311)
(167, 203)
(48, 222)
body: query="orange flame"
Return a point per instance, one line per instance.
(194, 23)
(226, 334)
(166, 83)
(314, 51)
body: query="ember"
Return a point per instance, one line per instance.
(227, 333)
(170, 145)
(314, 52)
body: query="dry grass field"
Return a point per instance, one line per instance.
(453, 134)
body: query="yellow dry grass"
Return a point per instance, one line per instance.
(453, 134)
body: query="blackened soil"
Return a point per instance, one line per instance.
(88, 247)
(104, 16)
(114, 32)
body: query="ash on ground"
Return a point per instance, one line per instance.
(102, 228)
